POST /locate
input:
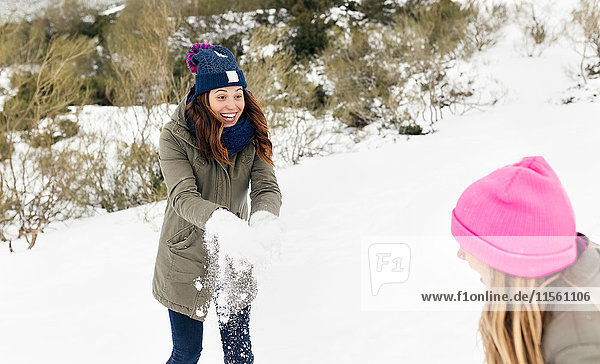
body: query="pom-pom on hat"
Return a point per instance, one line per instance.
(214, 66)
(518, 220)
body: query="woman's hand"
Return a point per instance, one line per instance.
(267, 231)
(233, 237)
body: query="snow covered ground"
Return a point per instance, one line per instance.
(83, 294)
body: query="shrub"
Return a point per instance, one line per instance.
(537, 35)
(138, 43)
(485, 21)
(41, 185)
(381, 11)
(587, 16)
(46, 90)
(23, 43)
(396, 73)
(309, 36)
(71, 17)
(290, 101)
(216, 7)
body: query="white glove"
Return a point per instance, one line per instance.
(232, 237)
(267, 230)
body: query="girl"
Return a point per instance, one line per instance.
(215, 146)
(516, 228)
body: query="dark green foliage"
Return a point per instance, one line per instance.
(234, 44)
(263, 17)
(357, 120)
(380, 11)
(297, 7)
(412, 129)
(318, 98)
(310, 35)
(19, 104)
(6, 148)
(101, 25)
(99, 91)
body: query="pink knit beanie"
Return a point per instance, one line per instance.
(518, 220)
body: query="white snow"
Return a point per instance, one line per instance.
(5, 90)
(112, 10)
(84, 292)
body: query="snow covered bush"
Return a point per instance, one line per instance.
(308, 28)
(365, 68)
(39, 186)
(587, 16)
(485, 20)
(583, 32)
(397, 75)
(27, 38)
(298, 127)
(40, 183)
(538, 32)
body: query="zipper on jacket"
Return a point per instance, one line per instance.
(223, 167)
(228, 182)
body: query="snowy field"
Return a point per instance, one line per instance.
(83, 294)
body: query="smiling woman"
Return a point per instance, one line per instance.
(213, 150)
(228, 103)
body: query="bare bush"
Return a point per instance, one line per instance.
(485, 21)
(587, 16)
(40, 184)
(537, 31)
(138, 43)
(21, 42)
(47, 88)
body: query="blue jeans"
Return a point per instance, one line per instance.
(187, 339)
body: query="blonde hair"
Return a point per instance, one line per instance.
(515, 336)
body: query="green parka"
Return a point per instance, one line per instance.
(196, 187)
(574, 336)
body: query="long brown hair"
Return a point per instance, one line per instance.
(209, 128)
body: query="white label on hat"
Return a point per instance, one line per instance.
(220, 54)
(232, 76)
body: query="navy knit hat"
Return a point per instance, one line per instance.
(214, 66)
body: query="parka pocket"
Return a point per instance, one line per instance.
(182, 239)
(187, 262)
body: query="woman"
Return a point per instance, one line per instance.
(516, 228)
(215, 146)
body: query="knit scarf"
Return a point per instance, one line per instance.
(234, 138)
